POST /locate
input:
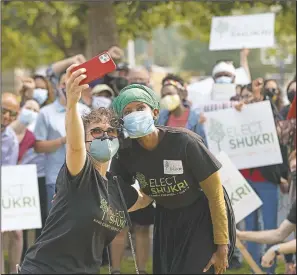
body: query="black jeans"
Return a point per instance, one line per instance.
(43, 210)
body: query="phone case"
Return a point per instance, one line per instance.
(97, 67)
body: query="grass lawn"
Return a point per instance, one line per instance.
(128, 268)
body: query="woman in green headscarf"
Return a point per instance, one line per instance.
(174, 168)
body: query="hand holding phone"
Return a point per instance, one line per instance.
(96, 67)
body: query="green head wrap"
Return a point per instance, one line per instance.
(135, 93)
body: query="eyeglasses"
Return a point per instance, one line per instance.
(98, 133)
(11, 113)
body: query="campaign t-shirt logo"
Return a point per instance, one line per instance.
(141, 179)
(111, 219)
(173, 167)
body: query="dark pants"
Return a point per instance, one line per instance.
(183, 239)
(43, 210)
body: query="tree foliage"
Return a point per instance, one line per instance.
(40, 32)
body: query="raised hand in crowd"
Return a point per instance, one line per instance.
(78, 59)
(116, 52)
(244, 53)
(28, 82)
(60, 66)
(257, 87)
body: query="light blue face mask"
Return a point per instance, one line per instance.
(40, 95)
(104, 150)
(27, 116)
(224, 80)
(139, 124)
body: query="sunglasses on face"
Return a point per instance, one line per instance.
(98, 133)
(11, 113)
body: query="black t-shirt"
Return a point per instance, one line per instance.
(87, 214)
(170, 173)
(292, 215)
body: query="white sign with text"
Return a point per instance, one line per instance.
(248, 137)
(243, 198)
(20, 205)
(243, 31)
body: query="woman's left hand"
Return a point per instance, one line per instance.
(268, 258)
(219, 260)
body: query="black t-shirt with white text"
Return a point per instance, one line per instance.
(171, 172)
(86, 216)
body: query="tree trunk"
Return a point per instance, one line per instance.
(102, 28)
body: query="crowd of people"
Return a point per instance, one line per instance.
(91, 145)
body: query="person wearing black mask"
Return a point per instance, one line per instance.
(291, 92)
(273, 92)
(117, 80)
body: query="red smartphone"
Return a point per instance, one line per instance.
(96, 67)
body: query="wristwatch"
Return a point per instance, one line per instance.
(276, 250)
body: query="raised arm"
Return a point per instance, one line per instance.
(75, 134)
(244, 63)
(60, 66)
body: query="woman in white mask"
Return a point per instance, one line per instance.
(175, 113)
(102, 96)
(90, 207)
(224, 72)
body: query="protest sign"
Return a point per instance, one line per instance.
(241, 77)
(245, 31)
(240, 192)
(20, 205)
(248, 137)
(200, 92)
(223, 92)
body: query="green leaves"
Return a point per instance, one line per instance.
(36, 33)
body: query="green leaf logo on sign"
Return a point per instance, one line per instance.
(216, 132)
(221, 28)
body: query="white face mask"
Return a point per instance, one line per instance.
(224, 80)
(170, 102)
(40, 95)
(101, 101)
(27, 116)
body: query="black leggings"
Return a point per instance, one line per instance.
(43, 210)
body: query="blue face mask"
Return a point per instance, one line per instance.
(104, 150)
(27, 117)
(224, 80)
(40, 95)
(139, 124)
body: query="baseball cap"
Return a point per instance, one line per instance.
(100, 88)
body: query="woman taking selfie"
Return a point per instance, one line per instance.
(174, 167)
(88, 210)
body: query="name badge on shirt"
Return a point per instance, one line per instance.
(173, 167)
